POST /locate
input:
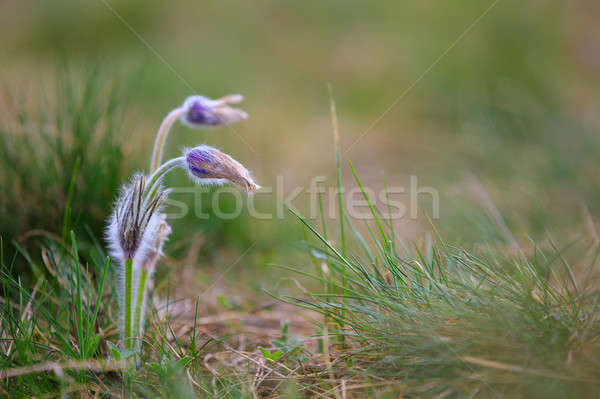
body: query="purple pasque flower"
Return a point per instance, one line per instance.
(207, 165)
(200, 111)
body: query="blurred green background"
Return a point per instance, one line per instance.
(495, 105)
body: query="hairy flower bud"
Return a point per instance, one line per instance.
(134, 219)
(207, 165)
(200, 111)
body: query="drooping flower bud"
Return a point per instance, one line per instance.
(207, 165)
(200, 111)
(135, 219)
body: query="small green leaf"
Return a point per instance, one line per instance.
(278, 344)
(114, 349)
(276, 355)
(265, 353)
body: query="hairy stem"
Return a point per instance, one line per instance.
(140, 295)
(160, 172)
(161, 136)
(127, 304)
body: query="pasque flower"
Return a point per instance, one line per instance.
(134, 218)
(204, 112)
(131, 232)
(197, 112)
(207, 165)
(137, 229)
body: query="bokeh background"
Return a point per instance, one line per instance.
(494, 104)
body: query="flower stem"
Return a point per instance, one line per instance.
(127, 304)
(161, 136)
(140, 295)
(160, 172)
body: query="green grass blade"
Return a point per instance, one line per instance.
(99, 294)
(79, 307)
(377, 222)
